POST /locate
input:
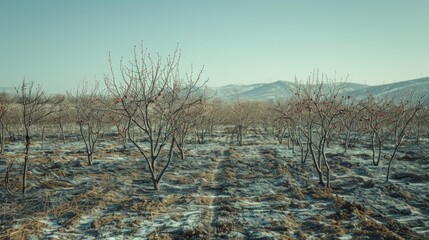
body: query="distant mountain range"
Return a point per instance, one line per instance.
(270, 91)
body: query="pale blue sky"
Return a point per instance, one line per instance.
(59, 43)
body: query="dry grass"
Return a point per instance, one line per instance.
(115, 219)
(25, 230)
(272, 197)
(203, 200)
(228, 173)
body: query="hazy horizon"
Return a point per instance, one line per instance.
(58, 44)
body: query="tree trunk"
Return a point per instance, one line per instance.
(2, 140)
(43, 137)
(90, 158)
(182, 154)
(63, 136)
(328, 170)
(156, 184)
(240, 135)
(26, 158)
(319, 171)
(346, 143)
(379, 154)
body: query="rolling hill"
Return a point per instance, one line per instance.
(270, 91)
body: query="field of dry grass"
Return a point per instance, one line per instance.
(221, 191)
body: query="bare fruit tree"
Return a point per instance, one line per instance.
(35, 106)
(185, 122)
(154, 96)
(352, 112)
(378, 115)
(405, 113)
(320, 104)
(204, 122)
(89, 107)
(243, 115)
(5, 101)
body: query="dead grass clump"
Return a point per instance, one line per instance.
(347, 210)
(232, 153)
(170, 200)
(248, 176)
(203, 200)
(181, 179)
(300, 235)
(272, 197)
(228, 173)
(40, 160)
(296, 193)
(402, 194)
(135, 175)
(149, 206)
(97, 197)
(101, 176)
(400, 229)
(280, 206)
(185, 199)
(410, 156)
(224, 227)
(374, 230)
(290, 223)
(282, 169)
(268, 156)
(198, 232)
(339, 201)
(25, 230)
(328, 229)
(113, 197)
(115, 219)
(55, 184)
(317, 218)
(299, 204)
(59, 172)
(225, 209)
(208, 177)
(321, 193)
(340, 216)
(268, 152)
(70, 218)
(411, 177)
(157, 236)
(355, 208)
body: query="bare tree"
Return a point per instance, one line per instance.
(205, 120)
(120, 122)
(64, 117)
(186, 121)
(35, 107)
(319, 102)
(88, 105)
(405, 112)
(243, 115)
(154, 97)
(378, 114)
(352, 112)
(5, 101)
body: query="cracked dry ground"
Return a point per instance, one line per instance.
(219, 192)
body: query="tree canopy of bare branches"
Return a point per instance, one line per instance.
(155, 98)
(35, 106)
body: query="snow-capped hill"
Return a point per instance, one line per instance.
(269, 91)
(397, 89)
